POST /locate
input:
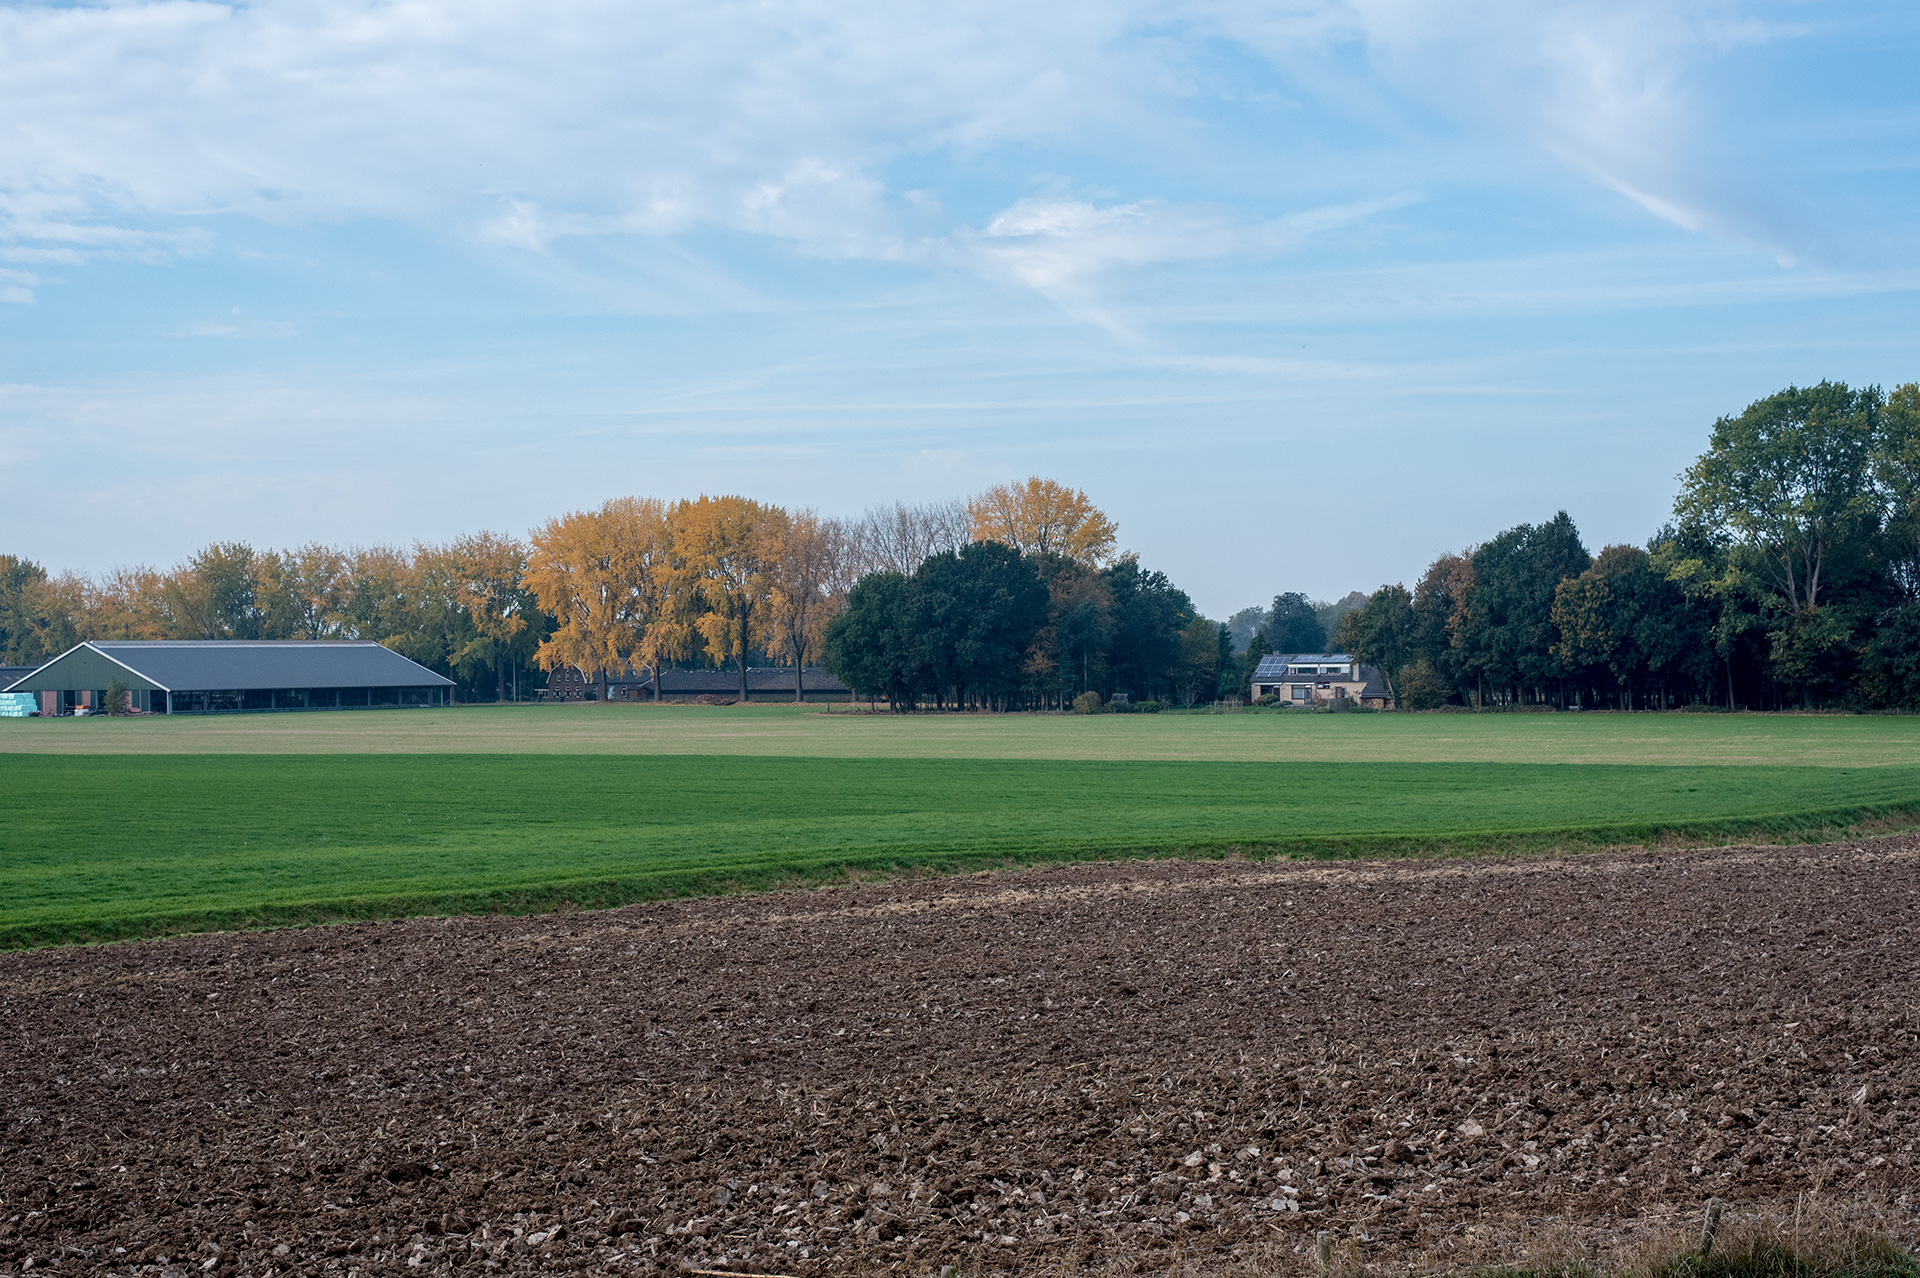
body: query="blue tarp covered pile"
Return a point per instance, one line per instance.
(18, 705)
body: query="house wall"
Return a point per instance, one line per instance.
(1353, 690)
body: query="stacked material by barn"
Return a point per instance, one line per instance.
(16, 704)
(223, 676)
(1304, 678)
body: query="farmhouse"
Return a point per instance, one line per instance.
(1303, 678)
(223, 676)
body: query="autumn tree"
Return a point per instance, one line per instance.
(300, 592)
(377, 597)
(723, 556)
(50, 617)
(806, 557)
(899, 538)
(486, 573)
(1043, 517)
(605, 575)
(215, 594)
(126, 603)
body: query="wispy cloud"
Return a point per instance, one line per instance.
(523, 126)
(1063, 248)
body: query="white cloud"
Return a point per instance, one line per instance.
(17, 286)
(1062, 248)
(521, 125)
(576, 117)
(1613, 89)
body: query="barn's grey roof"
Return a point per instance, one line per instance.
(8, 674)
(200, 665)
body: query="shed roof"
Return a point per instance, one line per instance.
(200, 665)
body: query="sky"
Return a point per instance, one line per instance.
(1302, 293)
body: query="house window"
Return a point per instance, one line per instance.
(1301, 692)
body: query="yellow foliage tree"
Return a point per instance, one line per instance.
(300, 591)
(807, 555)
(1043, 517)
(604, 575)
(724, 550)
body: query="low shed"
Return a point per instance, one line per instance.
(231, 675)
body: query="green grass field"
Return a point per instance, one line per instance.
(132, 827)
(807, 732)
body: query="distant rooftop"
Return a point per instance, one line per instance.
(241, 664)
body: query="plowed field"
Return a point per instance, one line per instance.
(1093, 1063)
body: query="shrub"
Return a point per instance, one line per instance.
(1151, 707)
(1417, 687)
(119, 700)
(1088, 702)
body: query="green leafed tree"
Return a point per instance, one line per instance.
(1380, 632)
(1786, 480)
(974, 616)
(19, 633)
(1294, 625)
(869, 645)
(1198, 665)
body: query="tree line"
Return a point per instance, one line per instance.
(1019, 598)
(1788, 576)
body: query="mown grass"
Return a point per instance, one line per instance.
(99, 847)
(811, 731)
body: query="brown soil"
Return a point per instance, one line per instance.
(1082, 1064)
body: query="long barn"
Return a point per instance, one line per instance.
(232, 675)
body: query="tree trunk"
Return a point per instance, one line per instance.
(744, 633)
(799, 683)
(499, 677)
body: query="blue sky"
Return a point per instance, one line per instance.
(1303, 293)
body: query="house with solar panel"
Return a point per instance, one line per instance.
(1309, 678)
(217, 676)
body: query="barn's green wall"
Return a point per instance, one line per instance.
(79, 670)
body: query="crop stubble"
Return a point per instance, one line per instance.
(1097, 1063)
